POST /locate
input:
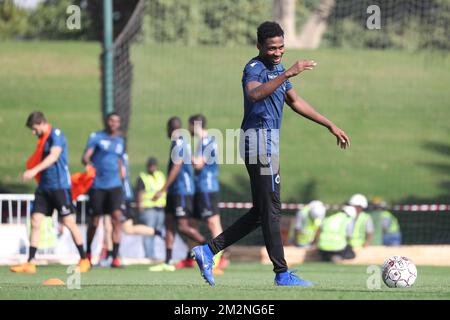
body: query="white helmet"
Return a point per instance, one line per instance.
(317, 209)
(358, 200)
(350, 211)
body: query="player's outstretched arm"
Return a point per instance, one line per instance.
(257, 91)
(306, 110)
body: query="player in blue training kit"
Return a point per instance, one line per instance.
(180, 189)
(53, 191)
(266, 88)
(206, 198)
(128, 225)
(104, 151)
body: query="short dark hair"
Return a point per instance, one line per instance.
(36, 117)
(269, 29)
(152, 162)
(174, 123)
(111, 114)
(198, 118)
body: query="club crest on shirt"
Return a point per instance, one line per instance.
(277, 179)
(105, 144)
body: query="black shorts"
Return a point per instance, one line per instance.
(179, 205)
(128, 212)
(45, 201)
(105, 201)
(206, 204)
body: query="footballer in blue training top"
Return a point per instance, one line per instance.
(266, 87)
(206, 179)
(57, 176)
(50, 164)
(183, 185)
(180, 190)
(105, 150)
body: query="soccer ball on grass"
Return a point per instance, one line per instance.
(399, 272)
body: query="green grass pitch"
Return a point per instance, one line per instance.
(241, 281)
(393, 104)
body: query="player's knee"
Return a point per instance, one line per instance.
(35, 225)
(212, 223)
(108, 228)
(35, 222)
(127, 227)
(68, 222)
(184, 228)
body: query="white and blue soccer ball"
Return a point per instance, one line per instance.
(399, 272)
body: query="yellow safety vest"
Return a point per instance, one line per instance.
(310, 228)
(359, 230)
(333, 236)
(153, 183)
(394, 227)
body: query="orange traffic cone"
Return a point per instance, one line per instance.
(53, 282)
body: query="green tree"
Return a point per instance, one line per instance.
(49, 20)
(13, 20)
(212, 22)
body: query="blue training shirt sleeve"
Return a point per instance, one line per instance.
(253, 71)
(209, 152)
(288, 85)
(176, 150)
(122, 142)
(92, 141)
(57, 139)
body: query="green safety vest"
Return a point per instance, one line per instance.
(394, 226)
(377, 239)
(310, 227)
(153, 183)
(333, 236)
(359, 230)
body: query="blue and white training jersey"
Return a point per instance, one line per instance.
(184, 182)
(266, 113)
(207, 179)
(57, 176)
(107, 153)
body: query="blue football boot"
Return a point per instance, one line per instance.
(204, 257)
(288, 278)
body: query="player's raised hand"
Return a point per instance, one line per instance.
(341, 137)
(300, 66)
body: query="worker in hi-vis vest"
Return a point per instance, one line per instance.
(363, 224)
(307, 221)
(333, 237)
(151, 213)
(390, 228)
